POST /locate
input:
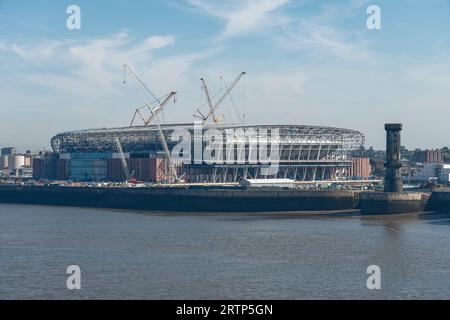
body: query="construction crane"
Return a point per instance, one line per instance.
(213, 108)
(208, 99)
(128, 68)
(129, 176)
(153, 111)
(154, 117)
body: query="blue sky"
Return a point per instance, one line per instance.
(308, 62)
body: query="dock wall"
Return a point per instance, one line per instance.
(181, 199)
(390, 202)
(439, 201)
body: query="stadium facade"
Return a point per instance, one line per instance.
(306, 153)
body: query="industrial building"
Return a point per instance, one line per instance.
(15, 165)
(361, 168)
(429, 156)
(307, 153)
(431, 171)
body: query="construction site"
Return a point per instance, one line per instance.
(143, 150)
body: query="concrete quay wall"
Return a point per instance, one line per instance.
(439, 201)
(372, 203)
(182, 199)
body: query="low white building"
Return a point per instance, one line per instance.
(279, 183)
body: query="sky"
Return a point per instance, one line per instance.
(311, 62)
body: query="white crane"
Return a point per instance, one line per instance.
(208, 99)
(153, 111)
(213, 108)
(129, 176)
(154, 117)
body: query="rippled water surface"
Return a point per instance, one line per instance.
(124, 255)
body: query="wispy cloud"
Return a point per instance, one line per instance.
(243, 17)
(324, 41)
(340, 11)
(78, 66)
(322, 35)
(317, 33)
(79, 82)
(306, 63)
(39, 52)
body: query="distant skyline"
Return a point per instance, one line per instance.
(307, 62)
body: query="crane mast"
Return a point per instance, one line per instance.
(127, 67)
(213, 108)
(208, 99)
(128, 175)
(163, 140)
(154, 117)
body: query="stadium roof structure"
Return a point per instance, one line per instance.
(145, 138)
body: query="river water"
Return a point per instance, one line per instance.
(141, 255)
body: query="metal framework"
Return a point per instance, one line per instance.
(307, 153)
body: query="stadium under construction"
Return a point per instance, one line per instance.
(149, 152)
(306, 153)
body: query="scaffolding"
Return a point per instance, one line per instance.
(306, 153)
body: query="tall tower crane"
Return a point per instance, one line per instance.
(213, 108)
(154, 117)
